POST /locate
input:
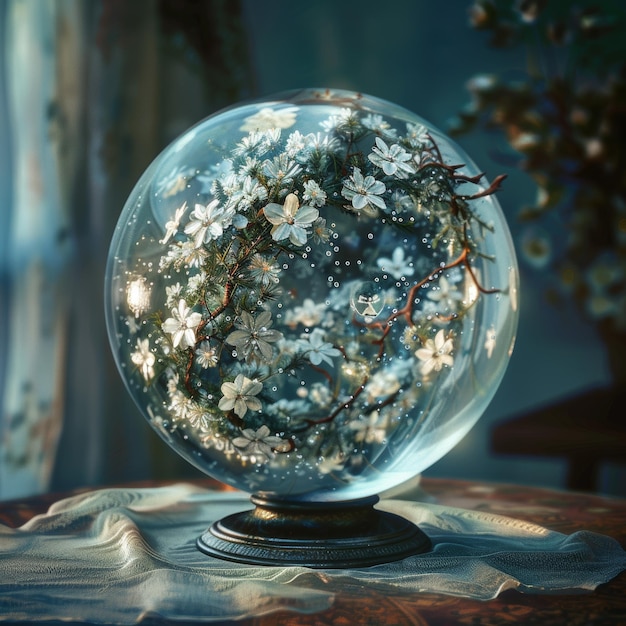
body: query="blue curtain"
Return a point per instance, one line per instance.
(90, 92)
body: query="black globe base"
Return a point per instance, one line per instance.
(313, 534)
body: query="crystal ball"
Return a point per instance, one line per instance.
(313, 296)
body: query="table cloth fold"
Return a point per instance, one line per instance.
(121, 555)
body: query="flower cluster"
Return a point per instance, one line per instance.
(314, 285)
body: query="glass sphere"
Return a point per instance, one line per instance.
(313, 296)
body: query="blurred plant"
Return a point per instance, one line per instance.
(565, 117)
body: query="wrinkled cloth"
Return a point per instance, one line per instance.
(120, 555)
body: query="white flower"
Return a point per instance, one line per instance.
(307, 314)
(316, 348)
(372, 430)
(321, 233)
(181, 405)
(375, 122)
(264, 269)
(172, 384)
(447, 295)
(536, 247)
(253, 336)
(250, 167)
(182, 325)
(206, 355)
(190, 254)
(281, 170)
(338, 120)
(171, 227)
(259, 445)
(252, 142)
(402, 201)
(271, 139)
(208, 222)
(436, 353)
(364, 192)
(601, 306)
(417, 136)
(398, 266)
(290, 220)
(250, 192)
(392, 160)
(604, 272)
(296, 143)
(143, 358)
(173, 293)
(195, 282)
(382, 384)
(314, 194)
(197, 416)
(321, 143)
(288, 410)
(268, 118)
(240, 395)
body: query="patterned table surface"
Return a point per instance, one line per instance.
(354, 605)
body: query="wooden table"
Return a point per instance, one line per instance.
(355, 605)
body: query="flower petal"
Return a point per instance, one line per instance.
(274, 214)
(306, 215)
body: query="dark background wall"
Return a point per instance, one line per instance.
(151, 68)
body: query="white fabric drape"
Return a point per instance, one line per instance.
(122, 555)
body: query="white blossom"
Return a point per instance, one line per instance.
(316, 348)
(447, 295)
(182, 325)
(208, 222)
(171, 227)
(268, 118)
(363, 192)
(417, 136)
(398, 265)
(144, 358)
(376, 122)
(253, 336)
(206, 355)
(391, 159)
(314, 194)
(338, 120)
(264, 269)
(240, 395)
(435, 353)
(259, 445)
(173, 294)
(290, 220)
(308, 313)
(296, 143)
(372, 430)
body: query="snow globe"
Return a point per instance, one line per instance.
(312, 298)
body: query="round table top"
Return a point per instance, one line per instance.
(563, 511)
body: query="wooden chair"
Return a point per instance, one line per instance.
(588, 430)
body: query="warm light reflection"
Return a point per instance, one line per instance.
(138, 295)
(471, 288)
(513, 287)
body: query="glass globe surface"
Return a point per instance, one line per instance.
(312, 297)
